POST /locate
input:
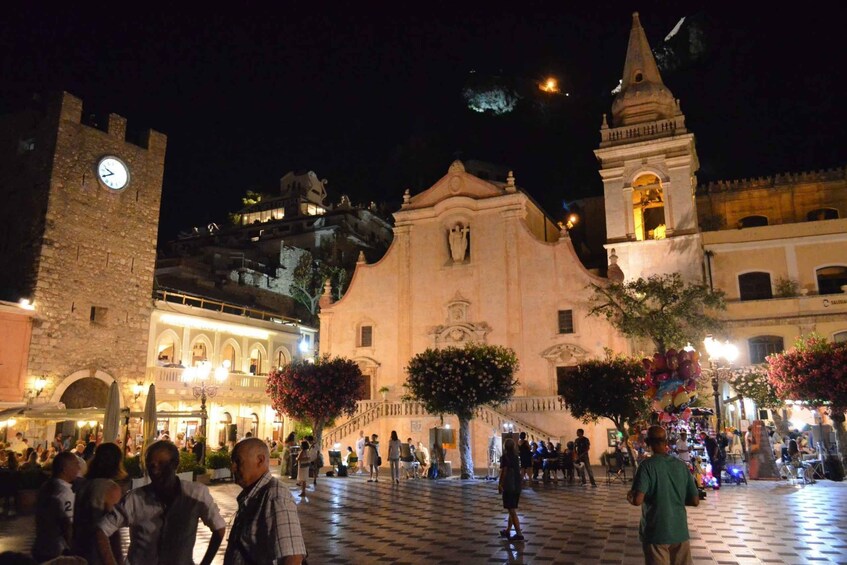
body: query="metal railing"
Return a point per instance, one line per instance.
(218, 306)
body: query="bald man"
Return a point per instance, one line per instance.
(663, 486)
(266, 528)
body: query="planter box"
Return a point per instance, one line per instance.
(220, 474)
(187, 477)
(204, 479)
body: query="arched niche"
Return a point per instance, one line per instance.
(648, 207)
(230, 351)
(258, 359)
(168, 348)
(201, 350)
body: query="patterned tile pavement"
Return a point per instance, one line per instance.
(451, 521)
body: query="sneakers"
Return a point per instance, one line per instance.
(517, 537)
(504, 534)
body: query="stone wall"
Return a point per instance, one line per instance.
(95, 271)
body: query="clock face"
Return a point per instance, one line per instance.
(113, 173)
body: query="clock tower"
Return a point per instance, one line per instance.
(79, 220)
(648, 163)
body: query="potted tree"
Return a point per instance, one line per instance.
(383, 390)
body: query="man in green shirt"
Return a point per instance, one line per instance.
(663, 487)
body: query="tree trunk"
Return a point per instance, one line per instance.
(840, 434)
(318, 430)
(780, 423)
(465, 447)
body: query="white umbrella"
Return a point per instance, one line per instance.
(149, 429)
(112, 415)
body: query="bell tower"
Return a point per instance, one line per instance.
(648, 163)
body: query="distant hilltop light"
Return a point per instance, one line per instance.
(549, 84)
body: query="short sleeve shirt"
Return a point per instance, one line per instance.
(666, 483)
(53, 514)
(266, 529)
(163, 535)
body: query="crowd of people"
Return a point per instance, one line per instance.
(86, 501)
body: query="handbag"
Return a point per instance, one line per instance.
(379, 461)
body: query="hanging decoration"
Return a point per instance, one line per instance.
(672, 383)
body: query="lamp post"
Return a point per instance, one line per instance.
(718, 352)
(198, 377)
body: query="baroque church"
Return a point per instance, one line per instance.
(474, 260)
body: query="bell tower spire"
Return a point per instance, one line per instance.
(648, 163)
(643, 96)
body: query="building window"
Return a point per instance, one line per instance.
(98, 314)
(366, 336)
(566, 322)
(831, 279)
(755, 286)
(840, 337)
(822, 214)
(753, 221)
(561, 374)
(762, 346)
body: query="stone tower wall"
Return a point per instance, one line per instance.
(93, 288)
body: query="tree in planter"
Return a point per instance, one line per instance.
(457, 381)
(310, 274)
(662, 308)
(319, 391)
(814, 373)
(613, 388)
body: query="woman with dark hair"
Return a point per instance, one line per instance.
(394, 456)
(510, 487)
(88, 452)
(97, 496)
(290, 442)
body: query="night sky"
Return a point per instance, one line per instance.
(369, 95)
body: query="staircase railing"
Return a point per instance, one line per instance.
(371, 410)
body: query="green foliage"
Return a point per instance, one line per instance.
(457, 380)
(188, 462)
(752, 382)
(218, 460)
(785, 287)
(303, 428)
(662, 308)
(310, 274)
(275, 454)
(251, 198)
(613, 388)
(133, 467)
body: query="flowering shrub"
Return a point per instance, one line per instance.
(753, 383)
(815, 371)
(457, 380)
(319, 391)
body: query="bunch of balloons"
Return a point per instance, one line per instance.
(672, 381)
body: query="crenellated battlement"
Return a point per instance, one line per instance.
(780, 179)
(71, 110)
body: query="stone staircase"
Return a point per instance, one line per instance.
(369, 411)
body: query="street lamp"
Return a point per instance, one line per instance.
(198, 377)
(718, 352)
(137, 390)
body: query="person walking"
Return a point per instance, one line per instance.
(303, 466)
(96, 497)
(509, 485)
(582, 444)
(663, 486)
(266, 527)
(682, 450)
(525, 454)
(163, 515)
(360, 450)
(372, 458)
(54, 513)
(394, 457)
(717, 457)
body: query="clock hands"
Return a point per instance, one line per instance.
(110, 173)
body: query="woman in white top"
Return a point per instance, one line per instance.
(303, 464)
(394, 456)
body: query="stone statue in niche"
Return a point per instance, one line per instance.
(459, 242)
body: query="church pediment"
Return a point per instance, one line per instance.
(566, 354)
(457, 182)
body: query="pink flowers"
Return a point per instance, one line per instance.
(815, 371)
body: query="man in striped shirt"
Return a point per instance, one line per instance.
(266, 529)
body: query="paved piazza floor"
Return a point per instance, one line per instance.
(452, 521)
